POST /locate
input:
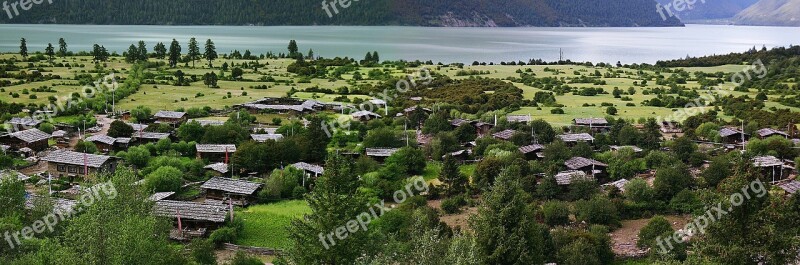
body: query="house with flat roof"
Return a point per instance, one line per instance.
(532, 152)
(380, 154)
(65, 163)
(33, 139)
(365, 115)
(170, 117)
(587, 165)
(196, 219)
(769, 132)
(573, 138)
(19, 124)
(504, 134)
(594, 124)
(568, 177)
(215, 152)
(240, 191)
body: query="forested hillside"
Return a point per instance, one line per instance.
(472, 13)
(721, 9)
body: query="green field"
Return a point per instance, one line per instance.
(166, 96)
(265, 224)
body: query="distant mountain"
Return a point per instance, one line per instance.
(708, 9)
(436, 13)
(771, 13)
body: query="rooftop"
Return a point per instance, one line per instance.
(218, 167)
(102, 138)
(160, 196)
(531, 148)
(728, 131)
(504, 135)
(381, 152)
(790, 187)
(265, 137)
(208, 122)
(75, 158)
(518, 118)
(26, 121)
(231, 185)
(365, 113)
(767, 161)
(191, 210)
(590, 121)
(766, 132)
(617, 148)
(576, 137)
(169, 114)
(309, 167)
(215, 148)
(567, 177)
(581, 162)
(31, 135)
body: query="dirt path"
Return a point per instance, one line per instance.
(624, 239)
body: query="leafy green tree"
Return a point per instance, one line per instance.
(683, 148)
(191, 131)
(504, 226)
(466, 133)
(718, 170)
(334, 201)
(453, 181)
(598, 210)
(436, 123)
(382, 137)
(137, 156)
(651, 136)
(86, 147)
(317, 151)
(120, 129)
(210, 79)
(555, 213)
(408, 159)
(164, 179)
(47, 127)
(141, 113)
(132, 55)
(548, 189)
(671, 180)
(203, 252)
(611, 110)
(293, 49)
(543, 131)
(464, 250)
(639, 191)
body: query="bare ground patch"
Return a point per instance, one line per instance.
(624, 239)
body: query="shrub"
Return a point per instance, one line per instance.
(555, 213)
(203, 252)
(656, 227)
(223, 235)
(164, 179)
(685, 201)
(242, 258)
(598, 210)
(557, 111)
(453, 204)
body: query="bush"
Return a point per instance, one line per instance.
(555, 213)
(453, 204)
(203, 252)
(223, 235)
(242, 258)
(598, 210)
(557, 111)
(685, 201)
(164, 179)
(298, 192)
(656, 227)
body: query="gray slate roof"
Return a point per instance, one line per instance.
(590, 121)
(567, 177)
(26, 121)
(620, 184)
(76, 158)
(31, 135)
(381, 152)
(766, 132)
(504, 135)
(790, 187)
(59, 133)
(518, 118)
(102, 138)
(169, 114)
(218, 167)
(160, 196)
(576, 137)
(191, 211)
(767, 161)
(728, 131)
(531, 148)
(8, 173)
(231, 185)
(365, 113)
(208, 122)
(215, 148)
(309, 167)
(265, 137)
(151, 135)
(581, 162)
(617, 148)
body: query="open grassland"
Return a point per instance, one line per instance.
(265, 225)
(165, 95)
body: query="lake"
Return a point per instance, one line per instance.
(628, 45)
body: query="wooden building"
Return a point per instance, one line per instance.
(170, 117)
(33, 139)
(574, 138)
(504, 135)
(731, 135)
(772, 167)
(568, 177)
(532, 152)
(769, 132)
(103, 142)
(196, 219)
(587, 165)
(594, 124)
(217, 169)
(65, 163)
(239, 191)
(365, 115)
(380, 154)
(215, 152)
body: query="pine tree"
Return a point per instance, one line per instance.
(368, 58)
(375, 57)
(50, 52)
(310, 54)
(160, 50)
(194, 51)
(142, 51)
(316, 135)
(23, 49)
(453, 181)
(505, 228)
(211, 53)
(174, 53)
(334, 201)
(132, 55)
(62, 47)
(293, 49)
